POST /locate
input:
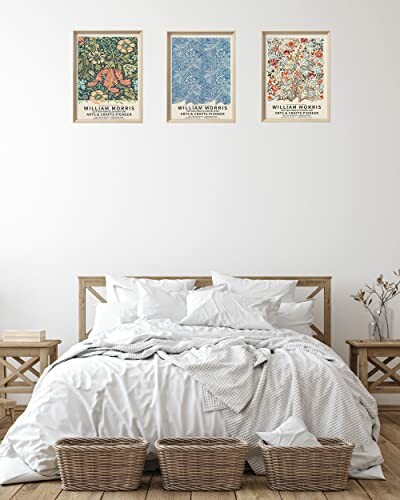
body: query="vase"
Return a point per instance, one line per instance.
(381, 328)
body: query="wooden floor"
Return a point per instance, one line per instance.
(254, 487)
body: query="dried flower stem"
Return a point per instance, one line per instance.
(383, 292)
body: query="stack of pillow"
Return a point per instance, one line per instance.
(230, 302)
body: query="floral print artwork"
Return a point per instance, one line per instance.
(107, 68)
(295, 69)
(201, 69)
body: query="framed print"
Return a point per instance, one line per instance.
(295, 76)
(108, 77)
(201, 77)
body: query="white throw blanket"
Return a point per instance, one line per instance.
(254, 379)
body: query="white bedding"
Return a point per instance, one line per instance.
(102, 396)
(107, 396)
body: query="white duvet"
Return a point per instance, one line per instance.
(108, 396)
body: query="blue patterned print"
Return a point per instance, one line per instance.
(201, 70)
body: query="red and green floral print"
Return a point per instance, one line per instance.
(295, 69)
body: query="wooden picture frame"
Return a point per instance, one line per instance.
(296, 109)
(210, 110)
(319, 284)
(113, 89)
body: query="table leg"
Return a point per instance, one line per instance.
(44, 360)
(353, 360)
(363, 367)
(3, 374)
(54, 354)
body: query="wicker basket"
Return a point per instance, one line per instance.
(321, 468)
(107, 464)
(202, 464)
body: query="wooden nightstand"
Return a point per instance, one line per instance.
(25, 355)
(386, 379)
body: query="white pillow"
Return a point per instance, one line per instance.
(121, 289)
(292, 432)
(109, 316)
(215, 306)
(156, 303)
(258, 288)
(297, 316)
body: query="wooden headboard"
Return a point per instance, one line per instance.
(318, 284)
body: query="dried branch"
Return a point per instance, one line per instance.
(377, 295)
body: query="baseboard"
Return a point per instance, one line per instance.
(389, 408)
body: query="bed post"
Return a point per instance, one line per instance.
(82, 309)
(327, 312)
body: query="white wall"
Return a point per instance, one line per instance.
(246, 198)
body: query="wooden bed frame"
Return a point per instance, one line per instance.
(320, 284)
